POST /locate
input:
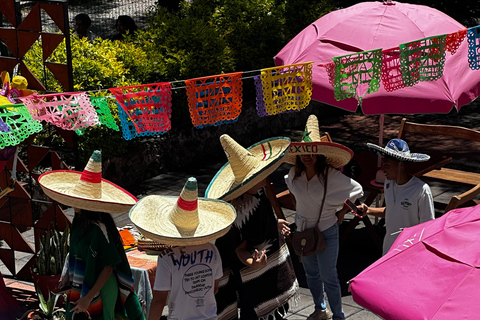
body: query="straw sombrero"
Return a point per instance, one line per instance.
(86, 190)
(184, 220)
(336, 155)
(246, 167)
(398, 149)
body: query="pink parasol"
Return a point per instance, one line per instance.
(431, 272)
(377, 25)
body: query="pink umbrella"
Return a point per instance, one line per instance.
(377, 25)
(431, 272)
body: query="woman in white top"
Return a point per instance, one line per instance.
(306, 182)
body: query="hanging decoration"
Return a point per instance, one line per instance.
(422, 60)
(69, 111)
(21, 124)
(4, 127)
(215, 100)
(391, 70)
(260, 103)
(330, 67)
(354, 71)
(474, 48)
(454, 40)
(146, 108)
(104, 114)
(287, 87)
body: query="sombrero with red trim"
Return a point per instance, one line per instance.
(246, 167)
(336, 154)
(184, 220)
(86, 190)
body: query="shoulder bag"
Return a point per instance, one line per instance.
(310, 241)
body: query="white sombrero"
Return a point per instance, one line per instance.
(86, 190)
(336, 155)
(246, 167)
(184, 220)
(398, 149)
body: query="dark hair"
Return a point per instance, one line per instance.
(321, 167)
(128, 23)
(85, 19)
(87, 217)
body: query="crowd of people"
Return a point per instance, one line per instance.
(226, 256)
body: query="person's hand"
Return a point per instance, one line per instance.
(340, 216)
(283, 227)
(81, 305)
(259, 260)
(364, 209)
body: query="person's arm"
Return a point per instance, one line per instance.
(82, 304)
(256, 261)
(215, 288)
(376, 212)
(341, 213)
(157, 305)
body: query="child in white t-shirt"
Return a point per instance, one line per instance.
(408, 200)
(189, 269)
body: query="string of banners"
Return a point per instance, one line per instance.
(145, 110)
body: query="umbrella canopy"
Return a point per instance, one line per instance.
(377, 25)
(431, 271)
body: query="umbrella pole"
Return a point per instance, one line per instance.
(380, 138)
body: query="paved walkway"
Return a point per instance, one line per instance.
(356, 254)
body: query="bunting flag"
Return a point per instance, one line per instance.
(354, 71)
(422, 60)
(4, 127)
(454, 40)
(104, 114)
(146, 109)
(474, 48)
(69, 111)
(330, 67)
(21, 124)
(215, 100)
(260, 103)
(391, 70)
(287, 87)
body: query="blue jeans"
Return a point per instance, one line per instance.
(321, 272)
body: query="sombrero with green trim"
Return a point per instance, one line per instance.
(86, 190)
(246, 167)
(184, 220)
(336, 155)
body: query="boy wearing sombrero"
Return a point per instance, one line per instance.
(188, 272)
(408, 200)
(257, 263)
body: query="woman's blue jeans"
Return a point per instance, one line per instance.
(321, 272)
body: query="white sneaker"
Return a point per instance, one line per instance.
(320, 315)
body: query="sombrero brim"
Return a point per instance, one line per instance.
(270, 152)
(59, 186)
(151, 216)
(383, 152)
(337, 155)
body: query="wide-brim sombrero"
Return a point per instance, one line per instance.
(266, 156)
(397, 149)
(59, 185)
(86, 190)
(336, 155)
(151, 216)
(182, 221)
(313, 142)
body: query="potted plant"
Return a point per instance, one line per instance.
(49, 261)
(47, 309)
